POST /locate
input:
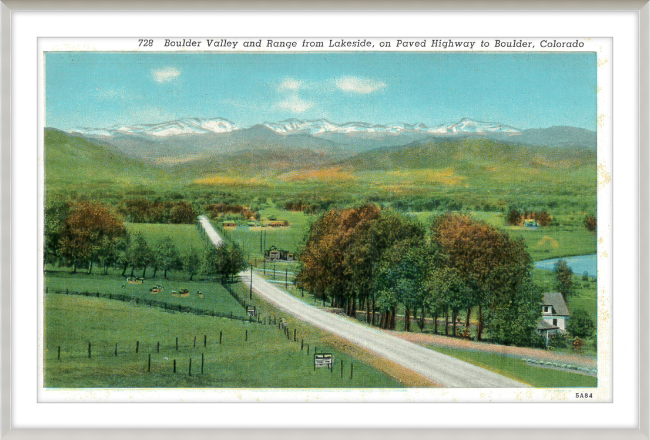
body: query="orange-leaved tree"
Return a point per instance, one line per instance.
(492, 265)
(89, 230)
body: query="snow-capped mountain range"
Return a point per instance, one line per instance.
(319, 127)
(195, 137)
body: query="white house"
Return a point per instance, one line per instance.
(555, 315)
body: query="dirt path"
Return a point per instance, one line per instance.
(518, 352)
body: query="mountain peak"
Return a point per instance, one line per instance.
(291, 126)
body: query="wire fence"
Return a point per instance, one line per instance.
(162, 304)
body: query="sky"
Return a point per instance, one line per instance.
(526, 90)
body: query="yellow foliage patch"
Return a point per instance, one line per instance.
(226, 180)
(546, 239)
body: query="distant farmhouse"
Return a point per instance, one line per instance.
(275, 254)
(555, 315)
(531, 224)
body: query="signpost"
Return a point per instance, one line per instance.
(323, 360)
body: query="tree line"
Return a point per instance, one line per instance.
(140, 210)
(85, 234)
(377, 261)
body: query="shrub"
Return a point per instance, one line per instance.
(580, 324)
(590, 223)
(561, 340)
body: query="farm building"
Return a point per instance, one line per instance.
(229, 224)
(275, 254)
(531, 224)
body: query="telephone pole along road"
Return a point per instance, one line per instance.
(442, 369)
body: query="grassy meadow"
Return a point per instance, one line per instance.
(185, 237)
(266, 359)
(215, 297)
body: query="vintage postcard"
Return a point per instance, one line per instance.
(329, 219)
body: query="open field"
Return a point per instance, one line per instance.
(215, 297)
(185, 237)
(266, 360)
(518, 369)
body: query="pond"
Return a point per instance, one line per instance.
(579, 264)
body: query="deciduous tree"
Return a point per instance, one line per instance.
(88, 228)
(491, 264)
(564, 278)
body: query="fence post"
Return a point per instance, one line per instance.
(158, 347)
(307, 348)
(302, 342)
(176, 343)
(137, 346)
(246, 340)
(149, 364)
(201, 363)
(341, 367)
(58, 356)
(351, 370)
(116, 349)
(205, 341)
(220, 334)
(294, 335)
(46, 290)
(174, 365)
(88, 350)
(190, 368)
(194, 341)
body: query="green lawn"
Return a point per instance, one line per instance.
(216, 297)
(184, 236)
(555, 241)
(266, 360)
(518, 369)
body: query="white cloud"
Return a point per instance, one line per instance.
(295, 104)
(165, 74)
(291, 84)
(354, 84)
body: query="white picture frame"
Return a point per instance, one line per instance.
(10, 255)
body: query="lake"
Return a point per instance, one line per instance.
(578, 264)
